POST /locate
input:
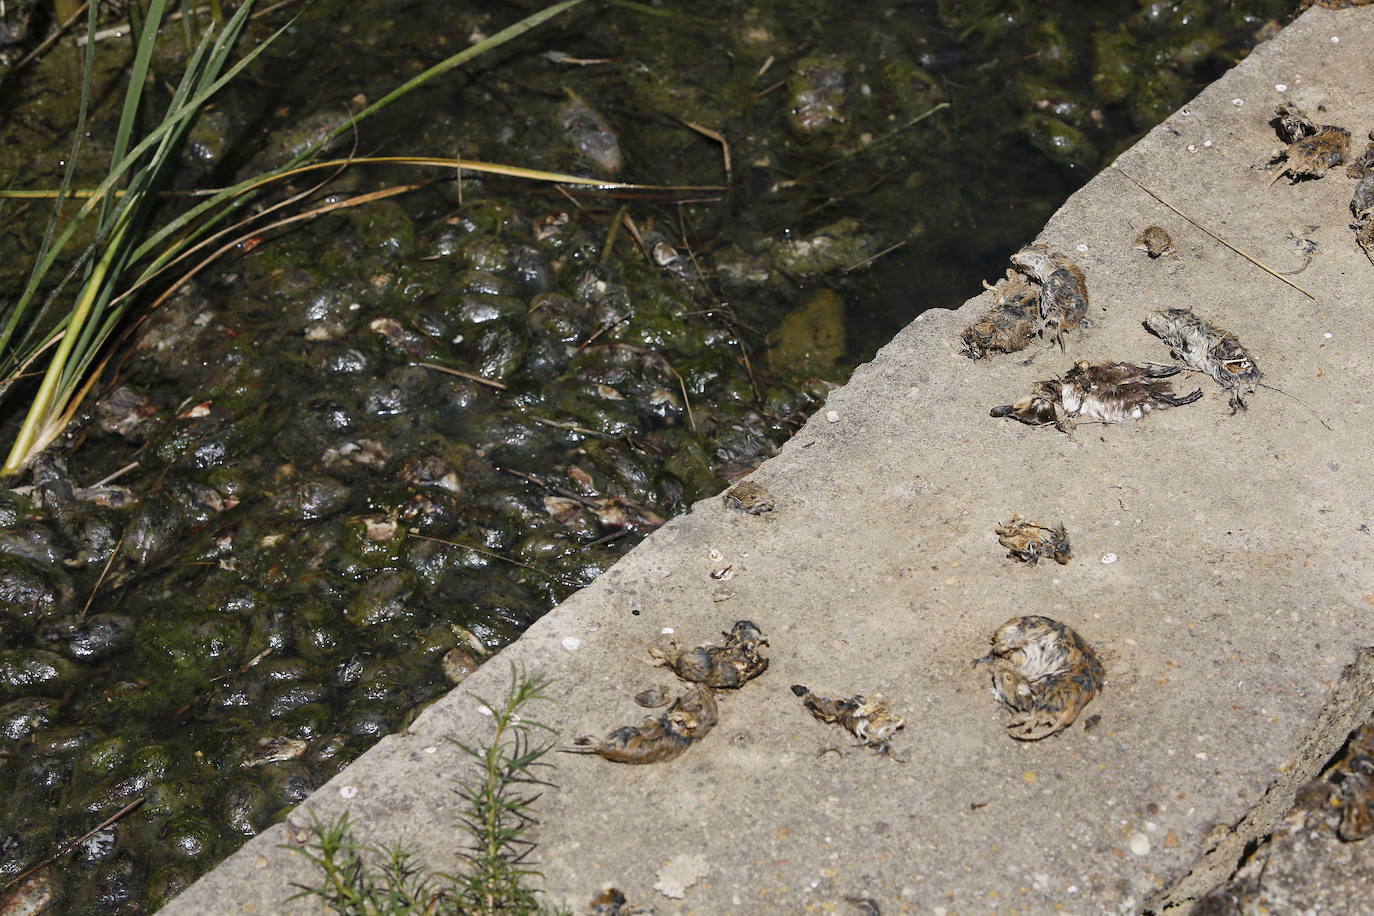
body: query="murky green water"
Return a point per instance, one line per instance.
(325, 528)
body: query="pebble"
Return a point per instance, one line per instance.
(1140, 844)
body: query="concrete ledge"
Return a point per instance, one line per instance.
(1242, 589)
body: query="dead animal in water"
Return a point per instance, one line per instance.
(869, 720)
(1044, 673)
(1063, 289)
(1311, 150)
(728, 666)
(1030, 542)
(1208, 349)
(1110, 393)
(658, 738)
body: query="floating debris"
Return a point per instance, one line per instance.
(869, 720)
(656, 739)
(1154, 241)
(1029, 542)
(590, 134)
(728, 666)
(1044, 673)
(1208, 349)
(1109, 393)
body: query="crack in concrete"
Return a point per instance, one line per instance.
(1349, 704)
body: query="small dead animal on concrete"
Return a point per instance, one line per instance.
(1044, 673)
(611, 902)
(1311, 150)
(1109, 393)
(660, 738)
(1063, 289)
(1011, 322)
(1206, 348)
(728, 666)
(1154, 241)
(750, 497)
(1029, 542)
(869, 720)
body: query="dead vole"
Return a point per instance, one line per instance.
(1110, 393)
(1044, 673)
(1029, 542)
(728, 666)
(658, 738)
(868, 719)
(1208, 349)
(1311, 150)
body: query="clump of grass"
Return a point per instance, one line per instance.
(130, 252)
(362, 880)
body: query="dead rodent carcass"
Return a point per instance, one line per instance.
(1044, 673)
(1311, 150)
(868, 719)
(1011, 322)
(657, 738)
(1110, 393)
(1063, 289)
(728, 666)
(1208, 349)
(1045, 296)
(1028, 542)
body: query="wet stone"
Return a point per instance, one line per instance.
(99, 637)
(313, 497)
(34, 671)
(21, 718)
(27, 591)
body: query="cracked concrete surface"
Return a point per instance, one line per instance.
(1241, 590)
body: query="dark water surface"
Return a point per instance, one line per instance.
(324, 528)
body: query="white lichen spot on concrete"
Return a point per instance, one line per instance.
(1108, 559)
(680, 873)
(1280, 87)
(348, 791)
(572, 643)
(1140, 844)
(832, 416)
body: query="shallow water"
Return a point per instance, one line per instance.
(322, 524)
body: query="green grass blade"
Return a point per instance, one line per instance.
(462, 57)
(7, 354)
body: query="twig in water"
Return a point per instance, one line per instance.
(495, 556)
(78, 841)
(1249, 257)
(719, 138)
(470, 376)
(873, 257)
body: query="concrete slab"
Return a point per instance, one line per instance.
(1241, 589)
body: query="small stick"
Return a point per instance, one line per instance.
(494, 555)
(115, 476)
(79, 840)
(1251, 258)
(470, 376)
(719, 138)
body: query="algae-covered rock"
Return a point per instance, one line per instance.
(1114, 65)
(815, 95)
(842, 243)
(811, 338)
(1064, 143)
(34, 672)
